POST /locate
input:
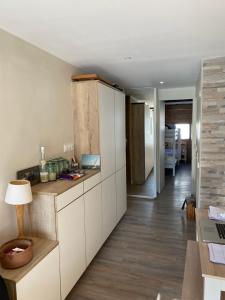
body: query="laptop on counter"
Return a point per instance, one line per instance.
(90, 161)
(213, 229)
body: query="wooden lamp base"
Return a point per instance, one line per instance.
(20, 219)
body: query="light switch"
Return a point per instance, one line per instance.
(68, 147)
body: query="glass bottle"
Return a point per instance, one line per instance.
(61, 165)
(56, 167)
(51, 171)
(43, 167)
(66, 165)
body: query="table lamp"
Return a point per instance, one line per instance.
(19, 193)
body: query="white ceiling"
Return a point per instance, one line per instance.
(144, 94)
(165, 38)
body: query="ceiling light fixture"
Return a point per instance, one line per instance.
(127, 57)
(161, 82)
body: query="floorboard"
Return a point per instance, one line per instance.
(146, 190)
(144, 256)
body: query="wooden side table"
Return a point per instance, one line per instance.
(40, 279)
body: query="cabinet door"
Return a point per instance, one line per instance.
(120, 134)
(71, 236)
(108, 205)
(43, 281)
(107, 129)
(121, 193)
(93, 221)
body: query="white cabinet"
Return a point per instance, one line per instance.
(108, 205)
(121, 193)
(71, 236)
(91, 182)
(107, 129)
(120, 130)
(43, 281)
(93, 221)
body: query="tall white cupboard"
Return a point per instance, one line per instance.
(99, 119)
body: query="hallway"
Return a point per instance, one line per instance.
(145, 254)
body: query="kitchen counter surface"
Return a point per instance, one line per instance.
(59, 186)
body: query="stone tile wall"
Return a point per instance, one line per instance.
(212, 158)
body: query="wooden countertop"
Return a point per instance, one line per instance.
(208, 268)
(192, 283)
(59, 186)
(41, 248)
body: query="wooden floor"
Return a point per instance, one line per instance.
(146, 190)
(144, 256)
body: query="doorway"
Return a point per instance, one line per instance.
(141, 146)
(178, 138)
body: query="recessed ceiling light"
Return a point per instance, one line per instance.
(161, 82)
(127, 57)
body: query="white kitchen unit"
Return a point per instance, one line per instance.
(120, 130)
(39, 279)
(82, 214)
(71, 237)
(43, 281)
(121, 193)
(109, 206)
(107, 129)
(93, 221)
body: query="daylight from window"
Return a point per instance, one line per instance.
(184, 131)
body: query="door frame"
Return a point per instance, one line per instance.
(160, 161)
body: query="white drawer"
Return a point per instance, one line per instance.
(69, 196)
(91, 182)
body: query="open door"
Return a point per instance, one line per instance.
(141, 146)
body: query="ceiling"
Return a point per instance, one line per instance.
(136, 43)
(141, 94)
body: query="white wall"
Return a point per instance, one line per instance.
(160, 144)
(196, 180)
(149, 146)
(176, 93)
(36, 109)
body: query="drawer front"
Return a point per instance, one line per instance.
(69, 196)
(91, 182)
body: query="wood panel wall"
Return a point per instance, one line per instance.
(178, 113)
(138, 143)
(212, 157)
(86, 118)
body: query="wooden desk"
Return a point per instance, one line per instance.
(193, 282)
(213, 274)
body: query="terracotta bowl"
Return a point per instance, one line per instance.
(10, 259)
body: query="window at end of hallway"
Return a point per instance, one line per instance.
(184, 131)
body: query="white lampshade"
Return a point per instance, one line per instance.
(18, 192)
